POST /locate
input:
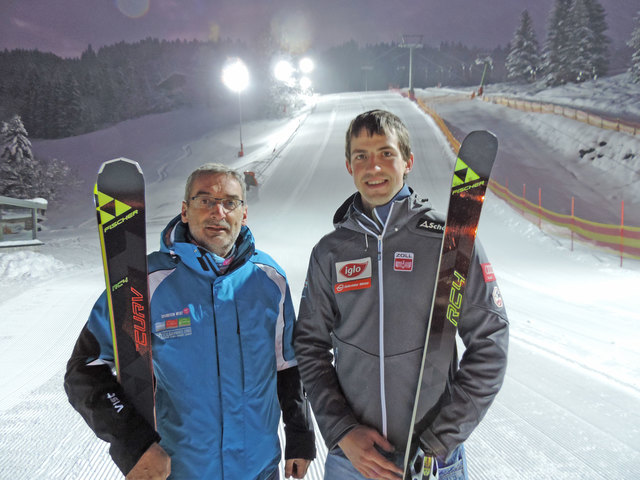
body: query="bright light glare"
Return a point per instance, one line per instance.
(283, 71)
(236, 76)
(305, 83)
(306, 65)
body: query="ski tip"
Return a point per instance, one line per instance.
(120, 160)
(478, 153)
(483, 135)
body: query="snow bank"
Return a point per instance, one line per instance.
(26, 265)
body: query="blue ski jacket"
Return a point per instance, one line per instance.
(223, 362)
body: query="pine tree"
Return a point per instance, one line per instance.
(70, 103)
(634, 43)
(523, 60)
(54, 178)
(18, 168)
(24, 176)
(600, 47)
(580, 43)
(556, 56)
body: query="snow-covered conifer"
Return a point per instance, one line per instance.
(600, 47)
(555, 58)
(580, 43)
(17, 165)
(523, 60)
(634, 43)
(22, 175)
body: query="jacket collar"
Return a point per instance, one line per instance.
(351, 209)
(176, 240)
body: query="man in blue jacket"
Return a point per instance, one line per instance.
(223, 375)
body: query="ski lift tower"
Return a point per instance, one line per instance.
(411, 42)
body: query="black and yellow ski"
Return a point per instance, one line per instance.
(470, 180)
(120, 208)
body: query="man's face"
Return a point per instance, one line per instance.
(215, 228)
(377, 167)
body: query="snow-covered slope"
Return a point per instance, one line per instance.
(568, 409)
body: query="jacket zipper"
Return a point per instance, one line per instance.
(383, 395)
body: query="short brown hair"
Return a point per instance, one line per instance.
(379, 122)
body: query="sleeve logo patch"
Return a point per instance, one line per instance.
(497, 297)
(487, 273)
(403, 261)
(353, 275)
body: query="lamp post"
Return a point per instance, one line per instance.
(306, 65)
(236, 77)
(283, 71)
(487, 61)
(411, 42)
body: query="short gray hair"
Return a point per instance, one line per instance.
(214, 169)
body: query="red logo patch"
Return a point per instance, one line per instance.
(353, 285)
(487, 272)
(403, 262)
(172, 323)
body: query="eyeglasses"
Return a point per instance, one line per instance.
(205, 201)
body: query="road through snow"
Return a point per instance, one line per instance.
(569, 406)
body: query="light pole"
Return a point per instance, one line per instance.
(411, 42)
(365, 69)
(306, 65)
(236, 77)
(488, 61)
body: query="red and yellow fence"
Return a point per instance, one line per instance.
(568, 112)
(621, 238)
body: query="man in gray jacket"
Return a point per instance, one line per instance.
(363, 315)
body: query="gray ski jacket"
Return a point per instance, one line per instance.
(362, 323)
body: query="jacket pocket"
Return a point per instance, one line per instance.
(256, 325)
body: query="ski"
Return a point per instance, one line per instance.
(470, 179)
(120, 208)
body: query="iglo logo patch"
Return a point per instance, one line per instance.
(354, 269)
(353, 275)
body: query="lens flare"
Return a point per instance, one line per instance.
(133, 8)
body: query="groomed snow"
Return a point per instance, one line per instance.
(569, 406)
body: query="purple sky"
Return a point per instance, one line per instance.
(66, 27)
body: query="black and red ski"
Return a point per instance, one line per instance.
(470, 179)
(120, 208)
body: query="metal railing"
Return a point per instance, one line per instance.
(16, 215)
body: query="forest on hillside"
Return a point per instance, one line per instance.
(60, 97)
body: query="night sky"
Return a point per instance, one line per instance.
(66, 27)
